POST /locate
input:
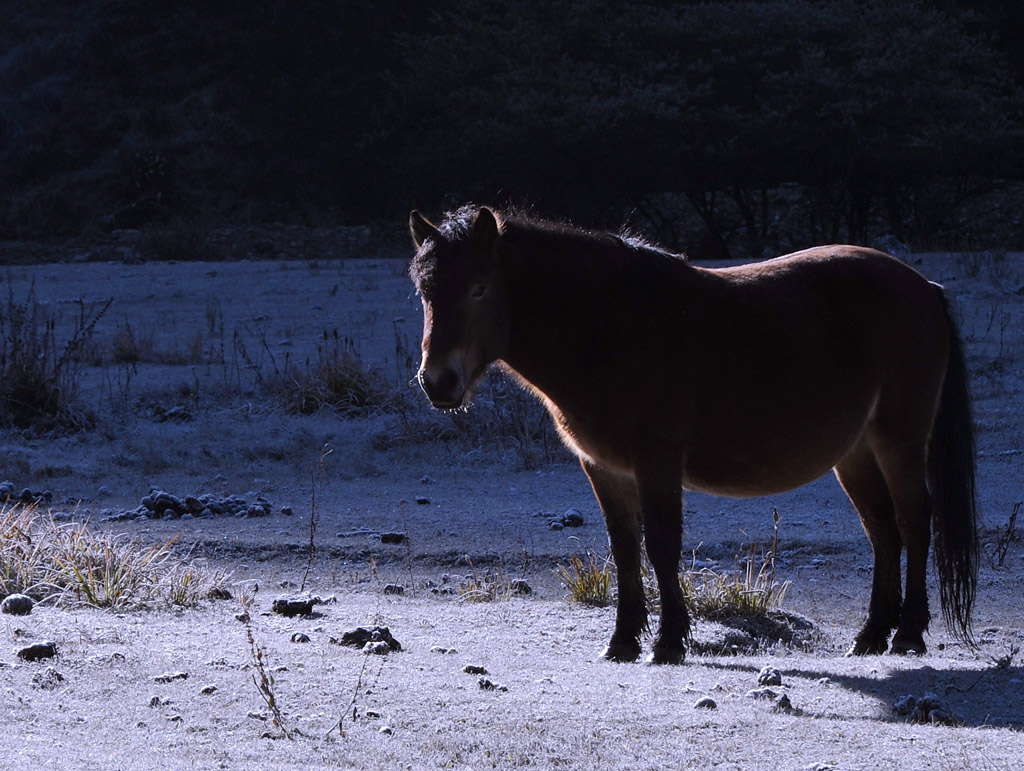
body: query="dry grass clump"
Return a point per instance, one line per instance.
(754, 591)
(337, 379)
(588, 583)
(71, 564)
(39, 376)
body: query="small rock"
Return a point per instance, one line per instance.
(17, 605)
(572, 518)
(769, 676)
(442, 651)
(378, 648)
(48, 679)
(394, 589)
(38, 651)
(487, 685)
(905, 705)
(386, 730)
(393, 538)
(360, 636)
(520, 586)
(218, 593)
(300, 637)
(206, 690)
(293, 606)
(783, 704)
(287, 511)
(242, 617)
(474, 669)
(158, 701)
(706, 703)
(422, 500)
(372, 714)
(556, 525)
(170, 677)
(762, 693)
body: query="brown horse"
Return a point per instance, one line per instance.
(740, 381)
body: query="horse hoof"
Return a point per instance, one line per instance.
(621, 653)
(664, 655)
(867, 648)
(908, 647)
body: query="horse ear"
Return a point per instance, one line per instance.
(486, 227)
(421, 228)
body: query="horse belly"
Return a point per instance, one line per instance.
(741, 454)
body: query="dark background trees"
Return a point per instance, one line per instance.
(740, 125)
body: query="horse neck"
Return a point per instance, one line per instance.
(552, 287)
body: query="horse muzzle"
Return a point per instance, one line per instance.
(445, 386)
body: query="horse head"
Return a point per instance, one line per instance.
(465, 306)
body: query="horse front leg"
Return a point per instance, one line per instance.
(617, 495)
(661, 504)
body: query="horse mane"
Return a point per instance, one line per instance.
(519, 223)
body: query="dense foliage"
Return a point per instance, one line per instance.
(751, 122)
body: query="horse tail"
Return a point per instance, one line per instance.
(951, 482)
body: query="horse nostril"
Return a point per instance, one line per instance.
(442, 386)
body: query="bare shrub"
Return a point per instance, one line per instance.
(39, 375)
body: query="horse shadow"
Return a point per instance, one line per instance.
(991, 697)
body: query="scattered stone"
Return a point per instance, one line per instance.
(300, 637)
(905, 705)
(360, 636)
(159, 701)
(487, 685)
(38, 651)
(378, 648)
(442, 651)
(287, 511)
(426, 479)
(170, 677)
(48, 679)
(218, 593)
(572, 518)
(393, 538)
(8, 494)
(769, 676)
(422, 500)
(926, 709)
(161, 504)
(207, 690)
(762, 693)
(520, 586)
(706, 703)
(294, 606)
(474, 669)
(783, 704)
(17, 605)
(556, 525)
(386, 730)
(372, 714)
(394, 589)
(243, 617)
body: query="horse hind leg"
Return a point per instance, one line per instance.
(620, 505)
(864, 483)
(904, 469)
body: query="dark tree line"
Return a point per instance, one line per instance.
(747, 123)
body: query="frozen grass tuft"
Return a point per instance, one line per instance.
(70, 564)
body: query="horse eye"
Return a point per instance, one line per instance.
(478, 291)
